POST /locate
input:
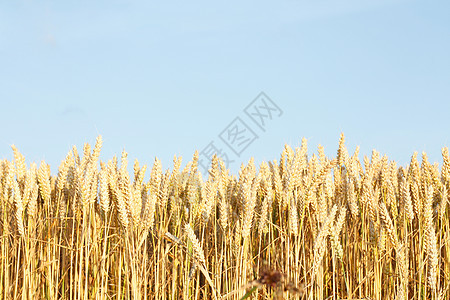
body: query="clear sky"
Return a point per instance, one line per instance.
(164, 78)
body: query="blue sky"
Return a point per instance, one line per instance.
(166, 78)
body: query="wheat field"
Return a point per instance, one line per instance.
(300, 227)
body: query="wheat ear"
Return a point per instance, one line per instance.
(196, 247)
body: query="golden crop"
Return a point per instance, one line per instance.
(295, 228)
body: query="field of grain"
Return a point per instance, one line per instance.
(300, 227)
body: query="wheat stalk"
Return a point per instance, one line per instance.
(430, 240)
